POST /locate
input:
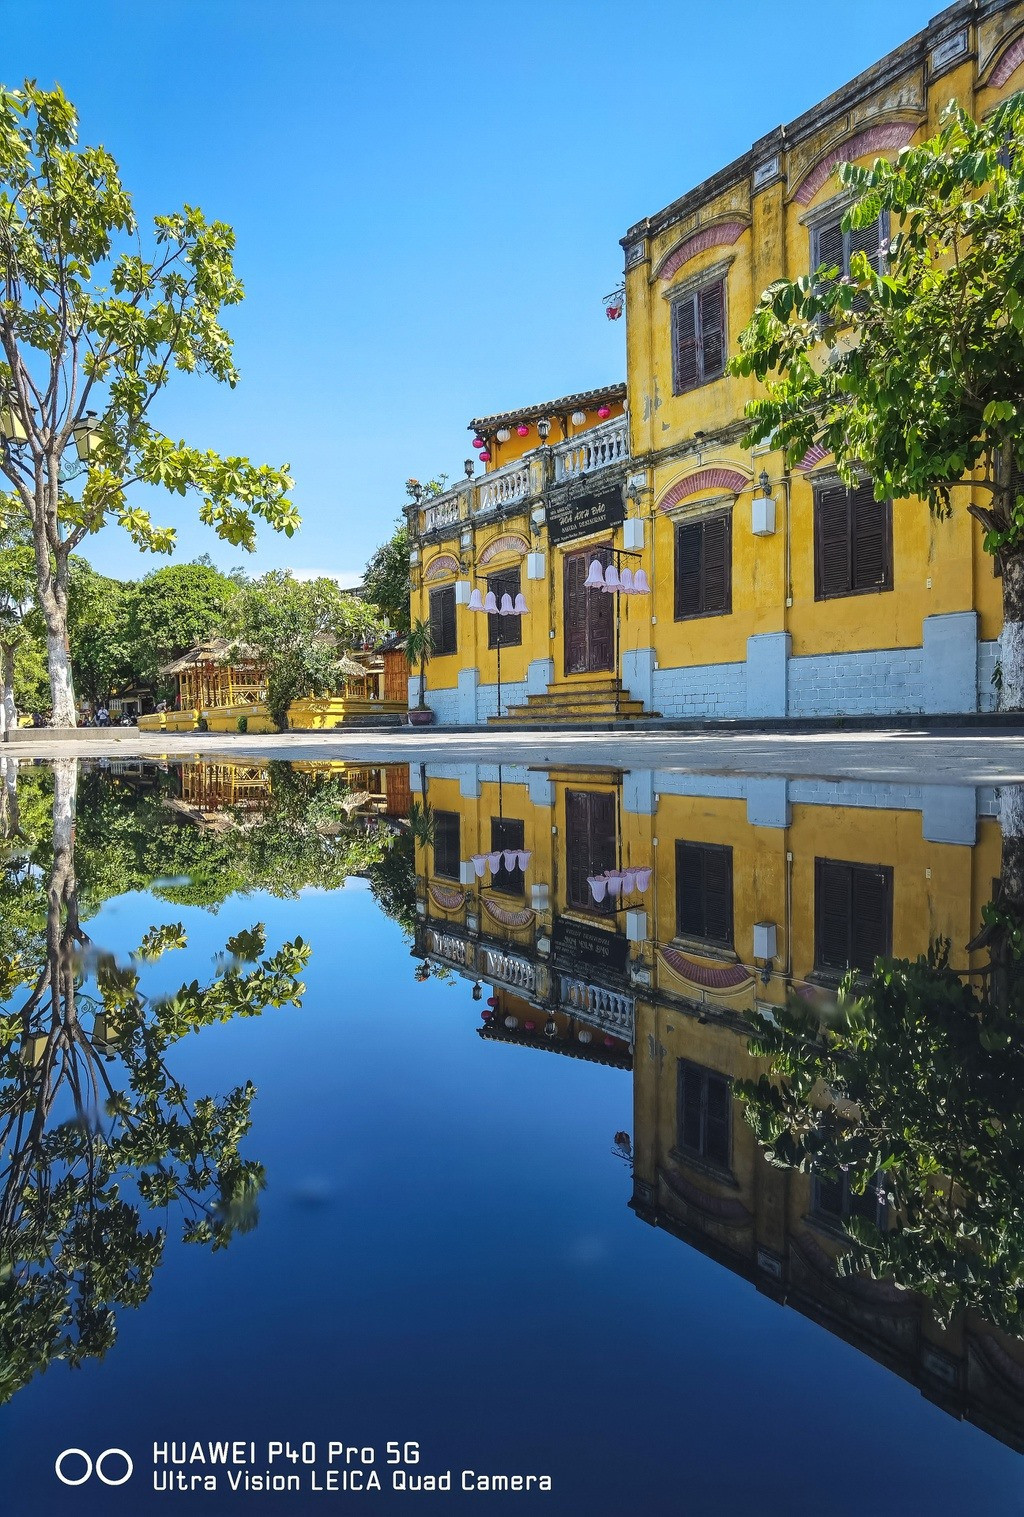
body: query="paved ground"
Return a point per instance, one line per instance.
(957, 758)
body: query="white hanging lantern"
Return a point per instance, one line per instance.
(578, 418)
(524, 856)
(503, 434)
(640, 584)
(628, 881)
(598, 885)
(506, 605)
(614, 879)
(643, 879)
(476, 600)
(494, 861)
(520, 605)
(626, 581)
(595, 575)
(511, 858)
(479, 862)
(491, 603)
(611, 578)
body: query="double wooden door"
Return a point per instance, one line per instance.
(589, 616)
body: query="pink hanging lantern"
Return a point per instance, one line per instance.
(506, 605)
(511, 858)
(598, 885)
(628, 881)
(478, 442)
(494, 861)
(485, 456)
(640, 584)
(643, 879)
(491, 603)
(614, 879)
(529, 1027)
(611, 578)
(523, 857)
(476, 600)
(626, 581)
(522, 431)
(604, 412)
(595, 575)
(520, 605)
(479, 862)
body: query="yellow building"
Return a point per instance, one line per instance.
(737, 893)
(774, 592)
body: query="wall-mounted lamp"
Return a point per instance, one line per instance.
(543, 429)
(469, 466)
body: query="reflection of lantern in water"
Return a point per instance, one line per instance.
(511, 1022)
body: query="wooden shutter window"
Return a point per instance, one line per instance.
(704, 567)
(852, 915)
(504, 630)
(698, 337)
(442, 620)
(704, 893)
(589, 846)
(704, 1113)
(446, 844)
(507, 832)
(852, 541)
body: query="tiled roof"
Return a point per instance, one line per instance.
(585, 400)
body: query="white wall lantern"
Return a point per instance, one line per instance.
(463, 590)
(467, 873)
(636, 926)
(765, 940)
(633, 533)
(414, 555)
(762, 516)
(539, 897)
(539, 516)
(535, 566)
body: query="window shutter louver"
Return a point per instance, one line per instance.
(872, 916)
(442, 620)
(690, 1090)
(828, 246)
(870, 537)
(506, 630)
(684, 319)
(704, 892)
(589, 845)
(446, 844)
(435, 619)
(718, 894)
(717, 577)
(507, 833)
(712, 330)
(831, 915)
(832, 542)
(867, 240)
(689, 891)
(689, 568)
(717, 1120)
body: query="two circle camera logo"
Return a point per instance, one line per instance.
(80, 1473)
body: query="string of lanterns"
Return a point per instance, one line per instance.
(512, 858)
(489, 603)
(503, 434)
(625, 581)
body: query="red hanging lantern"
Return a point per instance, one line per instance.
(485, 457)
(604, 412)
(478, 442)
(613, 312)
(523, 431)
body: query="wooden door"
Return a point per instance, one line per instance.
(589, 616)
(589, 844)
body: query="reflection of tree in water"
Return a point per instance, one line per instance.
(91, 1117)
(908, 1091)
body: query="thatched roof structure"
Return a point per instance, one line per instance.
(214, 651)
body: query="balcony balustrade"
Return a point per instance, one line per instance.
(609, 1010)
(446, 946)
(503, 487)
(598, 448)
(510, 970)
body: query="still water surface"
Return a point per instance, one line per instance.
(531, 1232)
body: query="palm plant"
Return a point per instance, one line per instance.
(419, 645)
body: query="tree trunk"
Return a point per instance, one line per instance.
(1011, 642)
(1007, 970)
(8, 710)
(423, 681)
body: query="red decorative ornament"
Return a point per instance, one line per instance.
(613, 312)
(529, 1027)
(523, 431)
(478, 442)
(485, 457)
(604, 412)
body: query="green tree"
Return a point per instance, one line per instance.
(17, 642)
(91, 331)
(298, 630)
(171, 610)
(386, 581)
(914, 373)
(419, 645)
(98, 627)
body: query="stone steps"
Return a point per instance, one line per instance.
(584, 703)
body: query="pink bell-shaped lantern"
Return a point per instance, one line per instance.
(520, 604)
(640, 585)
(511, 857)
(614, 879)
(479, 862)
(476, 600)
(628, 881)
(643, 879)
(595, 575)
(524, 856)
(491, 603)
(494, 861)
(506, 605)
(598, 885)
(611, 578)
(626, 581)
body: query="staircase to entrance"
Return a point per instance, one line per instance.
(581, 703)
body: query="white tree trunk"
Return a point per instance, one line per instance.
(8, 710)
(1011, 665)
(62, 689)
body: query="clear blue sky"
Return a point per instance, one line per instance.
(428, 197)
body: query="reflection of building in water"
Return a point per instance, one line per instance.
(213, 794)
(757, 889)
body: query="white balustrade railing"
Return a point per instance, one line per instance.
(448, 947)
(599, 448)
(510, 970)
(503, 486)
(609, 1010)
(444, 513)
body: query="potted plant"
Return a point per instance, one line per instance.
(419, 645)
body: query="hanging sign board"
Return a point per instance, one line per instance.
(577, 515)
(584, 950)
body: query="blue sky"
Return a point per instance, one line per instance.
(428, 198)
